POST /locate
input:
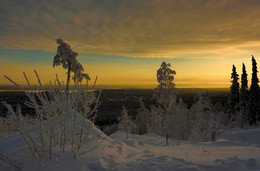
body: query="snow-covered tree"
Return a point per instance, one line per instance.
(143, 119)
(67, 58)
(125, 123)
(203, 120)
(244, 98)
(178, 124)
(157, 120)
(254, 95)
(165, 93)
(221, 116)
(165, 76)
(233, 100)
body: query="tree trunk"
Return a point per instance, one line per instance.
(166, 129)
(68, 79)
(127, 130)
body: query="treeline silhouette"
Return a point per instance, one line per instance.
(244, 104)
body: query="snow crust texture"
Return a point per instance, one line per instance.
(234, 149)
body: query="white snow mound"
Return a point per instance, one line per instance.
(235, 149)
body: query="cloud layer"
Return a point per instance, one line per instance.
(129, 27)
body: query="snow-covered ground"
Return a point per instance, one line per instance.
(235, 149)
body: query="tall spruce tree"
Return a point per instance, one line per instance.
(244, 82)
(254, 95)
(233, 101)
(244, 98)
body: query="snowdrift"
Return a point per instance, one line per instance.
(234, 149)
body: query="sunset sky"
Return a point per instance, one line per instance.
(123, 42)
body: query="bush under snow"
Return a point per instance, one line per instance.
(62, 121)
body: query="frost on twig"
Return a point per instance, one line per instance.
(62, 120)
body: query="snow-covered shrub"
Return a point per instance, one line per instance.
(143, 119)
(157, 121)
(156, 124)
(202, 119)
(62, 120)
(178, 126)
(221, 117)
(125, 123)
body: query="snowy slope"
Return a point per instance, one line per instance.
(235, 149)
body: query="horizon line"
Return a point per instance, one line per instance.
(107, 87)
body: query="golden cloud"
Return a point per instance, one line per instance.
(130, 27)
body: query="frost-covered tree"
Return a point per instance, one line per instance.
(221, 116)
(67, 58)
(178, 124)
(233, 101)
(244, 98)
(157, 121)
(165, 76)
(203, 120)
(125, 123)
(254, 95)
(143, 119)
(165, 93)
